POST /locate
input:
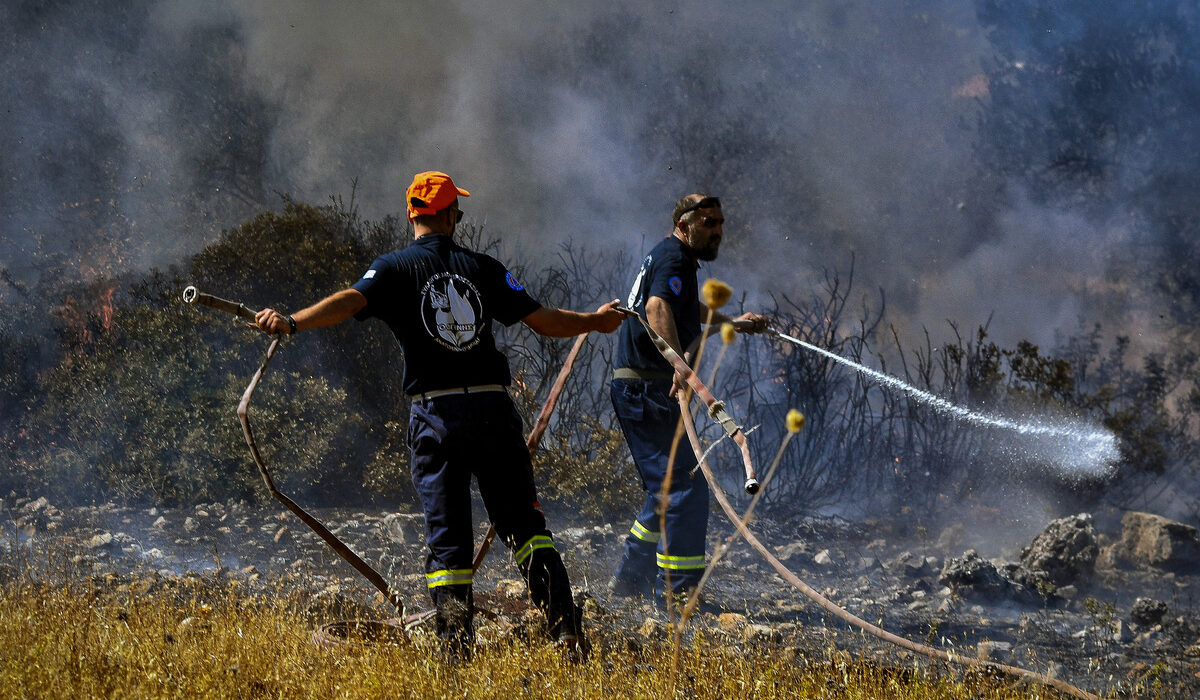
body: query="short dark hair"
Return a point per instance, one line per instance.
(692, 202)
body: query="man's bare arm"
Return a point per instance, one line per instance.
(662, 320)
(334, 308)
(562, 323)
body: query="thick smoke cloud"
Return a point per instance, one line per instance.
(833, 131)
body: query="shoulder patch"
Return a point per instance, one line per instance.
(676, 284)
(369, 274)
(512, 281)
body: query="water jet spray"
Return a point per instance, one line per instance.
(1096, 449)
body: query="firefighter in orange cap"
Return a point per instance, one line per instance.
(440, 300)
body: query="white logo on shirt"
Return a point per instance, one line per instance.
(451, 308)
(636, 292)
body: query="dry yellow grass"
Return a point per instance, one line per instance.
(213, 637)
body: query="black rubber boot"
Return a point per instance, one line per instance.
(570, 637)
(631, 587)
(455, 628)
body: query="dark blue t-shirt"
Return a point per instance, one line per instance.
(439, 299)
(668, 273)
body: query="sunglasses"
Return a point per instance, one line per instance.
(458, 215)
(701, 204)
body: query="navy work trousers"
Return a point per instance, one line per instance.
(649, 417)
(451, 438)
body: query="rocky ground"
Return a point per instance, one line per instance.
(1106, 607)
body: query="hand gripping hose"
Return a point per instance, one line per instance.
(191, 295)
(716, 409)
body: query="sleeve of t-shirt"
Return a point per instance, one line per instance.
(666, 279)
(511, 302)
(373, 285)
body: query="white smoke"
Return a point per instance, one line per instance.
(830, 130)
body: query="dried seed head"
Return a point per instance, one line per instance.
(715, 293)
(728, 333)
(795, 421)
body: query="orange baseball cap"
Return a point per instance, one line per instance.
(431, 192)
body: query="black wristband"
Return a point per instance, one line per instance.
(291, 324)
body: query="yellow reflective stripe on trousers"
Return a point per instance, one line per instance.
(535, 542)
(639, 531)
(449, 577)
(679, 563)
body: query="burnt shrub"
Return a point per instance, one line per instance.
(869, 445)
(132, 393)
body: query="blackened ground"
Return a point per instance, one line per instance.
(1084, 635)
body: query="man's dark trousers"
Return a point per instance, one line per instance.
(452, 438)
(649, 417)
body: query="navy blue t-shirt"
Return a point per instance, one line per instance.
(668, 273)
(439, 299)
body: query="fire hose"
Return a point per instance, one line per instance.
(716, 409)
(741, 528)
(192, 296)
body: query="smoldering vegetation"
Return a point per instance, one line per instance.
(990, 200)
(132, 395)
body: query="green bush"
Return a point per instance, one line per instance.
(144, 406)
(590, 471)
